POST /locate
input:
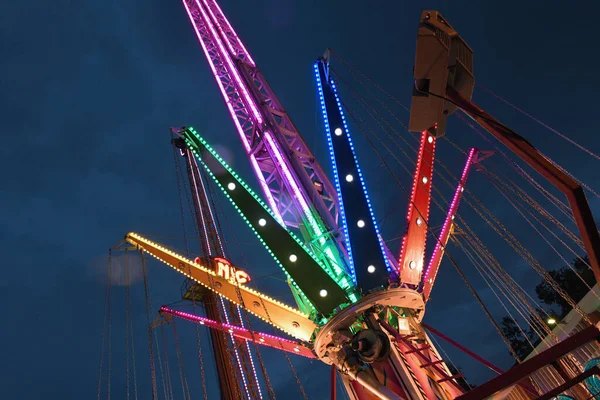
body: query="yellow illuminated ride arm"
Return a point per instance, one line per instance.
(283, 317)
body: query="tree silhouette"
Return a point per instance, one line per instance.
(566, 279)
(513, 334)
(570, 282)
(462, 382)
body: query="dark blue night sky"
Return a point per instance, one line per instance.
(90, 89)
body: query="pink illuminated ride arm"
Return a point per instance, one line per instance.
(242, 333)
(442, 240)
(412, 253)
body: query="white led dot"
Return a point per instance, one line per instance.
(412, 265)
(323, 293)
(360, 223)
(349, 178)
(419, 221)
(338, 131)
(371, 269)
(453, 217)
(424, 180)
(231, 186)
(293, 258)
(462, 189)
(430, 139)
(262, 222)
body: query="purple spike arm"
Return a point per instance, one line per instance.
(242, 333)
(266, 131)
(438, 252)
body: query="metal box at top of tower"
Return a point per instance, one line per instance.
(442, 59)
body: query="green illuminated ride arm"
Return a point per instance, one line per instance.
(305, 273)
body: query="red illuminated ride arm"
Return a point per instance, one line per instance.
(442, 240)
(412, 253)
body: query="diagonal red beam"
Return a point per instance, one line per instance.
(526, 368)
(442, 240)
(579, 205)
(412, 252)
(475, 356)
(463, 349)
(245, 334)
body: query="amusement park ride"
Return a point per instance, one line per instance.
(359, 306)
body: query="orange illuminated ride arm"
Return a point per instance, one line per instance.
(442, 239)
(283, 317)
(412, 253)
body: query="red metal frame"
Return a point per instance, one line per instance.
(463, 349)
(526, 368)
(412, 253)
(559, 178)
(475, 356)
(333, 382)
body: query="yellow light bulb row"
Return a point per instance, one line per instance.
(137, 240)
(140, 242)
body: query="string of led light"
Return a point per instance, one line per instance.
(179, 177)
(392, 128)
(245, 265)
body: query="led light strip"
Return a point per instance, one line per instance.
(335, 175)
(194, 147)
(438, 252)
(243, 333)
(360, 175)
(235, 350)
(253, 162)
(270, 143)
(315, 226)
(267, 135)
(191, 160)
(250, 354)
(235, 36)
(289, 320)
(417, 232)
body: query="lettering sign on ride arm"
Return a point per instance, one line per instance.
(283, 317)
(225, 270)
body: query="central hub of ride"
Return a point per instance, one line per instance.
(356, 337)
(345, 328)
